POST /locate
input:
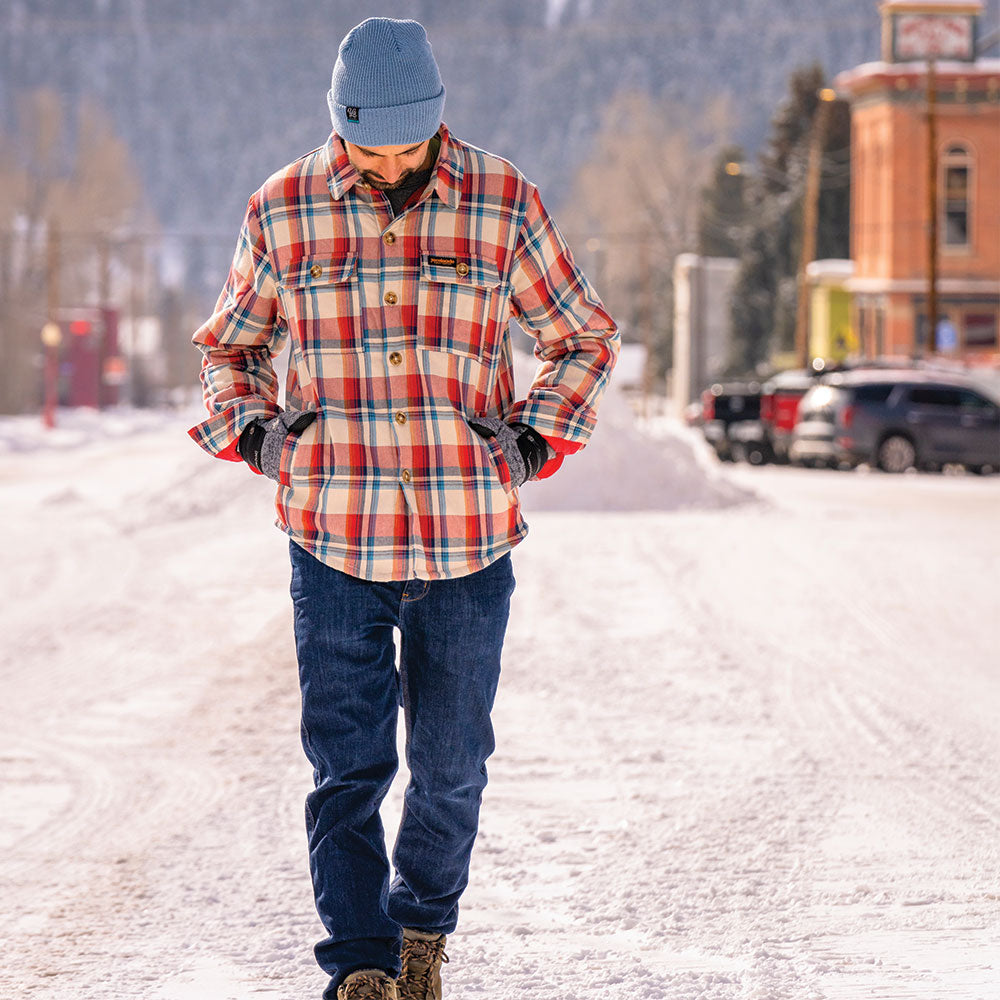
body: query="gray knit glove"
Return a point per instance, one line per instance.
(524, 450)
(261, 442)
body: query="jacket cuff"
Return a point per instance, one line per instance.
(554, 418)
(219, 434)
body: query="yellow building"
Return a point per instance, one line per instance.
(831, 334)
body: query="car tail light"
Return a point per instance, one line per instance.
(707, 405)
(767, 408)
(847, 416)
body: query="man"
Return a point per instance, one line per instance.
(390, 261)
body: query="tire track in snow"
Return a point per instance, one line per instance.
(875, 717)
(695, 854)
(853, 726)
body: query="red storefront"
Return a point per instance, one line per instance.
(91, 369)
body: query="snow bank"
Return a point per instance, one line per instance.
(79, 426)
(624, 469)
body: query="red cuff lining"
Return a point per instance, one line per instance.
(562, 449)
(230, 454)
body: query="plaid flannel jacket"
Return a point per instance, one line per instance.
(398, 330)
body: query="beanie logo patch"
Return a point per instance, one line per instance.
(352, 114)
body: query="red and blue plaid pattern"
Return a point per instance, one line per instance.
(398, 330)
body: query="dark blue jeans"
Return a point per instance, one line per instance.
(452, 633)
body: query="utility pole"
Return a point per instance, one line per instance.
(810, 222)
(932, 212)
(135, 250)
(51, 334)
(103, 271)
(646, 321)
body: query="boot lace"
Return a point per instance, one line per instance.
(415, 984)
(368, 988)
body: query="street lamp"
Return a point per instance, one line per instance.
(51, 336)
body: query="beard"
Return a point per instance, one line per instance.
(376, 182)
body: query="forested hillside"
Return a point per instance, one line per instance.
(214, 96)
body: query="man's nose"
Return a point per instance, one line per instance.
(391, 170)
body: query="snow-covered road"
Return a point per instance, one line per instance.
(747, 739)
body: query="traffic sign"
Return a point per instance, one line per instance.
(946, 336)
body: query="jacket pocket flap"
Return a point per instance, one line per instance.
(309, 272)
(458, 270)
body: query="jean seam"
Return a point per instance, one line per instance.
(403, 599)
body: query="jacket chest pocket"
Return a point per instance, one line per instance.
(322, 302)
(458, 305)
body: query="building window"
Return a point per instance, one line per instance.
(981, 330)
(957, 189)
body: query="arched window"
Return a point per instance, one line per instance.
(957, 168)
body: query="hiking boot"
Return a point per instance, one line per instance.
(421, 955)
(367, 984)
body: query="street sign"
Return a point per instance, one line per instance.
(946, 336)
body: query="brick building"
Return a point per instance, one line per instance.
(891, 185)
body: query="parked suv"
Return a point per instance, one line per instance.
(900, 420)
(731, 422)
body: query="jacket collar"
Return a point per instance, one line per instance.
(447, 178)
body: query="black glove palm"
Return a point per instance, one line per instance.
(261, 442)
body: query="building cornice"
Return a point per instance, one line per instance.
(931, 7)
(953, 76)
(914, 286)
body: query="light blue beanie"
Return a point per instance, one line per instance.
(386, 89)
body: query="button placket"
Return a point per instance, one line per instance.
(399, 421)
(390, 298)
(395, 359)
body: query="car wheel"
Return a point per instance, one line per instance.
(896, 454)
(984, 470)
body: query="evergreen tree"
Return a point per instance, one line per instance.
(722, 212)
(764, 297)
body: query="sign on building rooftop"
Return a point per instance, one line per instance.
(917, 30)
